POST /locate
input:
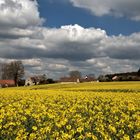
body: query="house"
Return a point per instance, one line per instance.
(30, 81)
(7, 83)
(115, 78)
(35, 80)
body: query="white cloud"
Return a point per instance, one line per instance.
(57, 67)
(78, 33)
(122, 47)
(32, 62)
(119, 8)
(24, 12)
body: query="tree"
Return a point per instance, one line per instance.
(13, 70)
(91, 75)
(139, 72)
(42, 79)
(50, 81)
(103, 78)
(75, 74)
(1, 70)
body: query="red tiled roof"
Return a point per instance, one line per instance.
(8, 82)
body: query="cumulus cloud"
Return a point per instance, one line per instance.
(24, 12)
(122, 47)
(111, 65)
(119, 8)
(73, 42)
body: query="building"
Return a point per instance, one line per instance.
(7, 83)
(30, 81)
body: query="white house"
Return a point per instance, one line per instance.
(30, 81)
(115, 78)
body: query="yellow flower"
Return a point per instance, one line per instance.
(34, 128)
(137, 136)
(32, 136)
(68, 127)
(79, 129)
(126, 137)
(112, 129)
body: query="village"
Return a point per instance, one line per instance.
(12, 74)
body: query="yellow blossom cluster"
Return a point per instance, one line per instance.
(90, 111)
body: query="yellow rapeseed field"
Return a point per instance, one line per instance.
(87, 111)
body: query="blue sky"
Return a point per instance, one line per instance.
(58, 13)
(54, 37)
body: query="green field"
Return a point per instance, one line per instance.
(84, 111)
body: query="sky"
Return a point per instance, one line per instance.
(54, 37)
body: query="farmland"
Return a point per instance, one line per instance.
(85, 111)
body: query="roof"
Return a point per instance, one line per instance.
(68, 79)
(115, 78)
(8, 82)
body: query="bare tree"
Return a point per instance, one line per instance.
(1, 70)
(91, 75)
(13, 70)
(139, 72)
(75, 74)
